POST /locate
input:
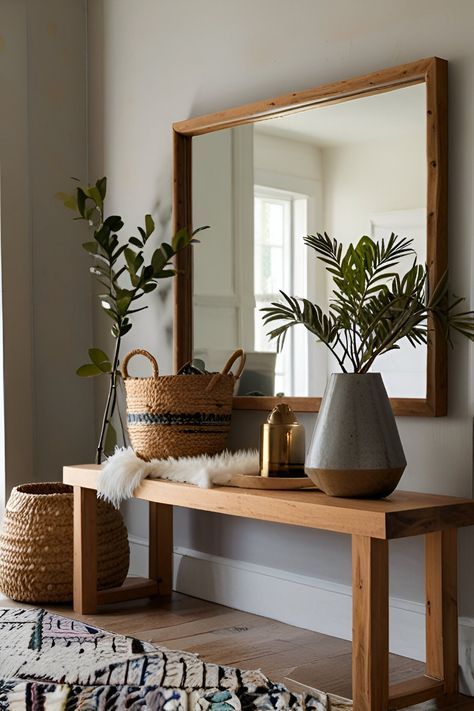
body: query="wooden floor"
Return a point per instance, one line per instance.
(221, 634)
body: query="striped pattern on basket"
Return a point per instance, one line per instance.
(168, 418)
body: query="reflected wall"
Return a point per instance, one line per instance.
(349, 169)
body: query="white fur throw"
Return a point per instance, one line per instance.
(124, 471)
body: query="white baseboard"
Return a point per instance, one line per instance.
(299, 600)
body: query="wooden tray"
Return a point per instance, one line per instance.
(255, 481)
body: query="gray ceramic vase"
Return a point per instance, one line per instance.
(356, 450)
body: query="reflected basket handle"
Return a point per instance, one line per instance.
(239, 353)
(139, 351)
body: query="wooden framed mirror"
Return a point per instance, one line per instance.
(366, 155)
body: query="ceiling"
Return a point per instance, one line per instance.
(390, 114)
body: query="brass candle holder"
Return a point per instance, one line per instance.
(282, 444)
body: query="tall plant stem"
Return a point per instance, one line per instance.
(110, 404)
(333, 351)
(122, 426)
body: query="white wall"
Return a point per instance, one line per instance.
(286, 157)
(365, 178)
(47, 320)
(361, 181)
(215, 301)
(156, 63)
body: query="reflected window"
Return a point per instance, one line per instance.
(281, 219)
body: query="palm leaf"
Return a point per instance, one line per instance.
(372, 307)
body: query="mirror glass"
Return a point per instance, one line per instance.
(349, 169)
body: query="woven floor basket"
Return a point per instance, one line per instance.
(36, 544)
(179, 415)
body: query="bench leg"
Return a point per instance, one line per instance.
(441, 608)
(85, 551)
(160, 562)
(369, 624)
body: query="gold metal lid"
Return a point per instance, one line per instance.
(282, 414)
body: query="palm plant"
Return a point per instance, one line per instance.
(125, 276)
(373, 306)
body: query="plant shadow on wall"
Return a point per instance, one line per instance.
(125, 276)
(356, 450)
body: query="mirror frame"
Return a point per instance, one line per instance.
(433, 73)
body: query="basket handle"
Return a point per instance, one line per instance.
(239, 353)
(139, 351)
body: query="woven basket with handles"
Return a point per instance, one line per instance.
(36, 544)
(179, 415)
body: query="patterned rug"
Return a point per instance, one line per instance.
(49, 662)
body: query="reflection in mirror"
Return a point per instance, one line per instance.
(349, 169)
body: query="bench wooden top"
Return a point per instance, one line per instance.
(402, 514)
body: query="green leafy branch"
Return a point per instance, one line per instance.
(373, 307)
(125, 276)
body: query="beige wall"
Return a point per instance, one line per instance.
(46, 302)
(15, 249)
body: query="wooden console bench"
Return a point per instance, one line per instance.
(370, 523)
